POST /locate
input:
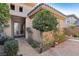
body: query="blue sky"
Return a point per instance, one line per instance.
(67, 8)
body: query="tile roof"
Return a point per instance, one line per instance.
(41, 4)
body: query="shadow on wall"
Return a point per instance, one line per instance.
(30, 40)
(30, 33)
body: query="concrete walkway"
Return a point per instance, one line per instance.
(25, 49)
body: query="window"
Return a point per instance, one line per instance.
(12, 7)
(20, 9)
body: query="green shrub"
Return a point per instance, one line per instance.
(50, 43)
(61, 37)
(11, 47)
(73, 26)
(34, 45)
(76, 34)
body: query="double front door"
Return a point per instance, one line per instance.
(19, 29)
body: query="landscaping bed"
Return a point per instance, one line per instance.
(51, 40)
(72, 32)
(10, 47)
(34, 44)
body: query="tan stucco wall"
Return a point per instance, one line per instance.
(36, 33)
(61, 25)
(26, 9)
(28, 24)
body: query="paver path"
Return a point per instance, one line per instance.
(25, 49)
(67, 48)
(1, 50)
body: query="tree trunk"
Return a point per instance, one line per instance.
(41, 43)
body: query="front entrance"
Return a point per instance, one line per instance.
(18, 26)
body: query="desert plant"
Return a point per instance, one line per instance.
(11, 47)
(61, 38)
(50, 43)
(76, 34)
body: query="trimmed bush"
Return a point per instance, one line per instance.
(11, 47)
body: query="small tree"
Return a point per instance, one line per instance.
(4, 15)
(44, 21)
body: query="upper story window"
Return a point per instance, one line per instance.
(12, 7)
(20, 9)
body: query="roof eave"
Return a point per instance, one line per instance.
(40, 5)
